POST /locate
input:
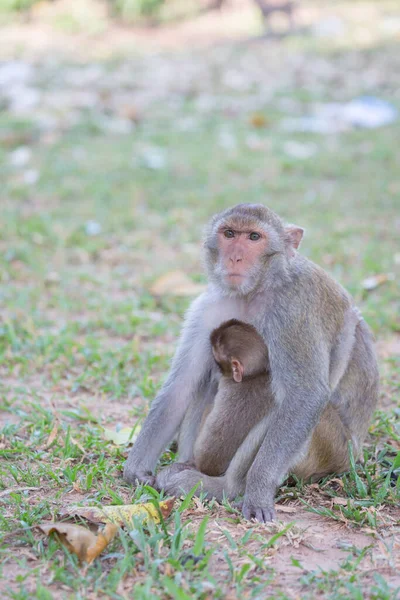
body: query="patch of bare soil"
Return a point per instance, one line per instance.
(94, 35)
(312, 544)
(83, 30)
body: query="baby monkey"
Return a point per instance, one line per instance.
(240, 403)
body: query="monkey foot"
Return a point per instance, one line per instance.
(263, 514)
(167, 476)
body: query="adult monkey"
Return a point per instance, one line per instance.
(320, 355)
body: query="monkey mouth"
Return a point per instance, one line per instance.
(235, 279)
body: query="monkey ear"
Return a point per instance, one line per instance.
(237, 370)
(293, 236)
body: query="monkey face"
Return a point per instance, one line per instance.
(247, 247)
(240, 250)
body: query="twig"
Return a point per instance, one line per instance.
(17, 489)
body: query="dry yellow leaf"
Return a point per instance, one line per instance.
(339, 482)
(78, 444)
(79, 540)
(258, 120)
(121, 514)
(53, 434)
(285, 509)
(340, 501)
(103, 539)
(123, 436)
(176, 283)
(370, 283)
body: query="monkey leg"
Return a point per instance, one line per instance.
(356, 395)
(347, 416)
(327, 451)
(193, 420)
(225, 430)
(213, 449)
(178, 478)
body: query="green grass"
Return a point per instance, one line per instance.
(84, 344)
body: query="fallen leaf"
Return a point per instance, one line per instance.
(103, 539)
(121, 514)
(369, 531)
(53, 434)
(258, 120)
(340, 501)
(370, 283)
(76, 488)
(79, 540)
(176, 283)
(285, 509)
(338, 481)
(126, 435)
(76, 443)
(18, 489)
(130, 112)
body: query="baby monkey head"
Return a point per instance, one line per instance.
(239, 350)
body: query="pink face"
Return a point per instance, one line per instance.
(240, 250)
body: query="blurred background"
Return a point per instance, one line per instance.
(124, 125)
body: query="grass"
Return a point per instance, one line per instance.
(84, 343)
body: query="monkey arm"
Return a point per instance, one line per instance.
(301, 393)
(190, 369)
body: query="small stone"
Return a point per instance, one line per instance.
(93, 228)
(154, 158)
(20, 156)
(299, 150)
(52, 277)
(117, 126)
(30, 176)
(227, 140)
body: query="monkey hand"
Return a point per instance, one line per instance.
(264, 514)
(138, 476)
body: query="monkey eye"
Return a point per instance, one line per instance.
(254, 236)
(228, 233)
